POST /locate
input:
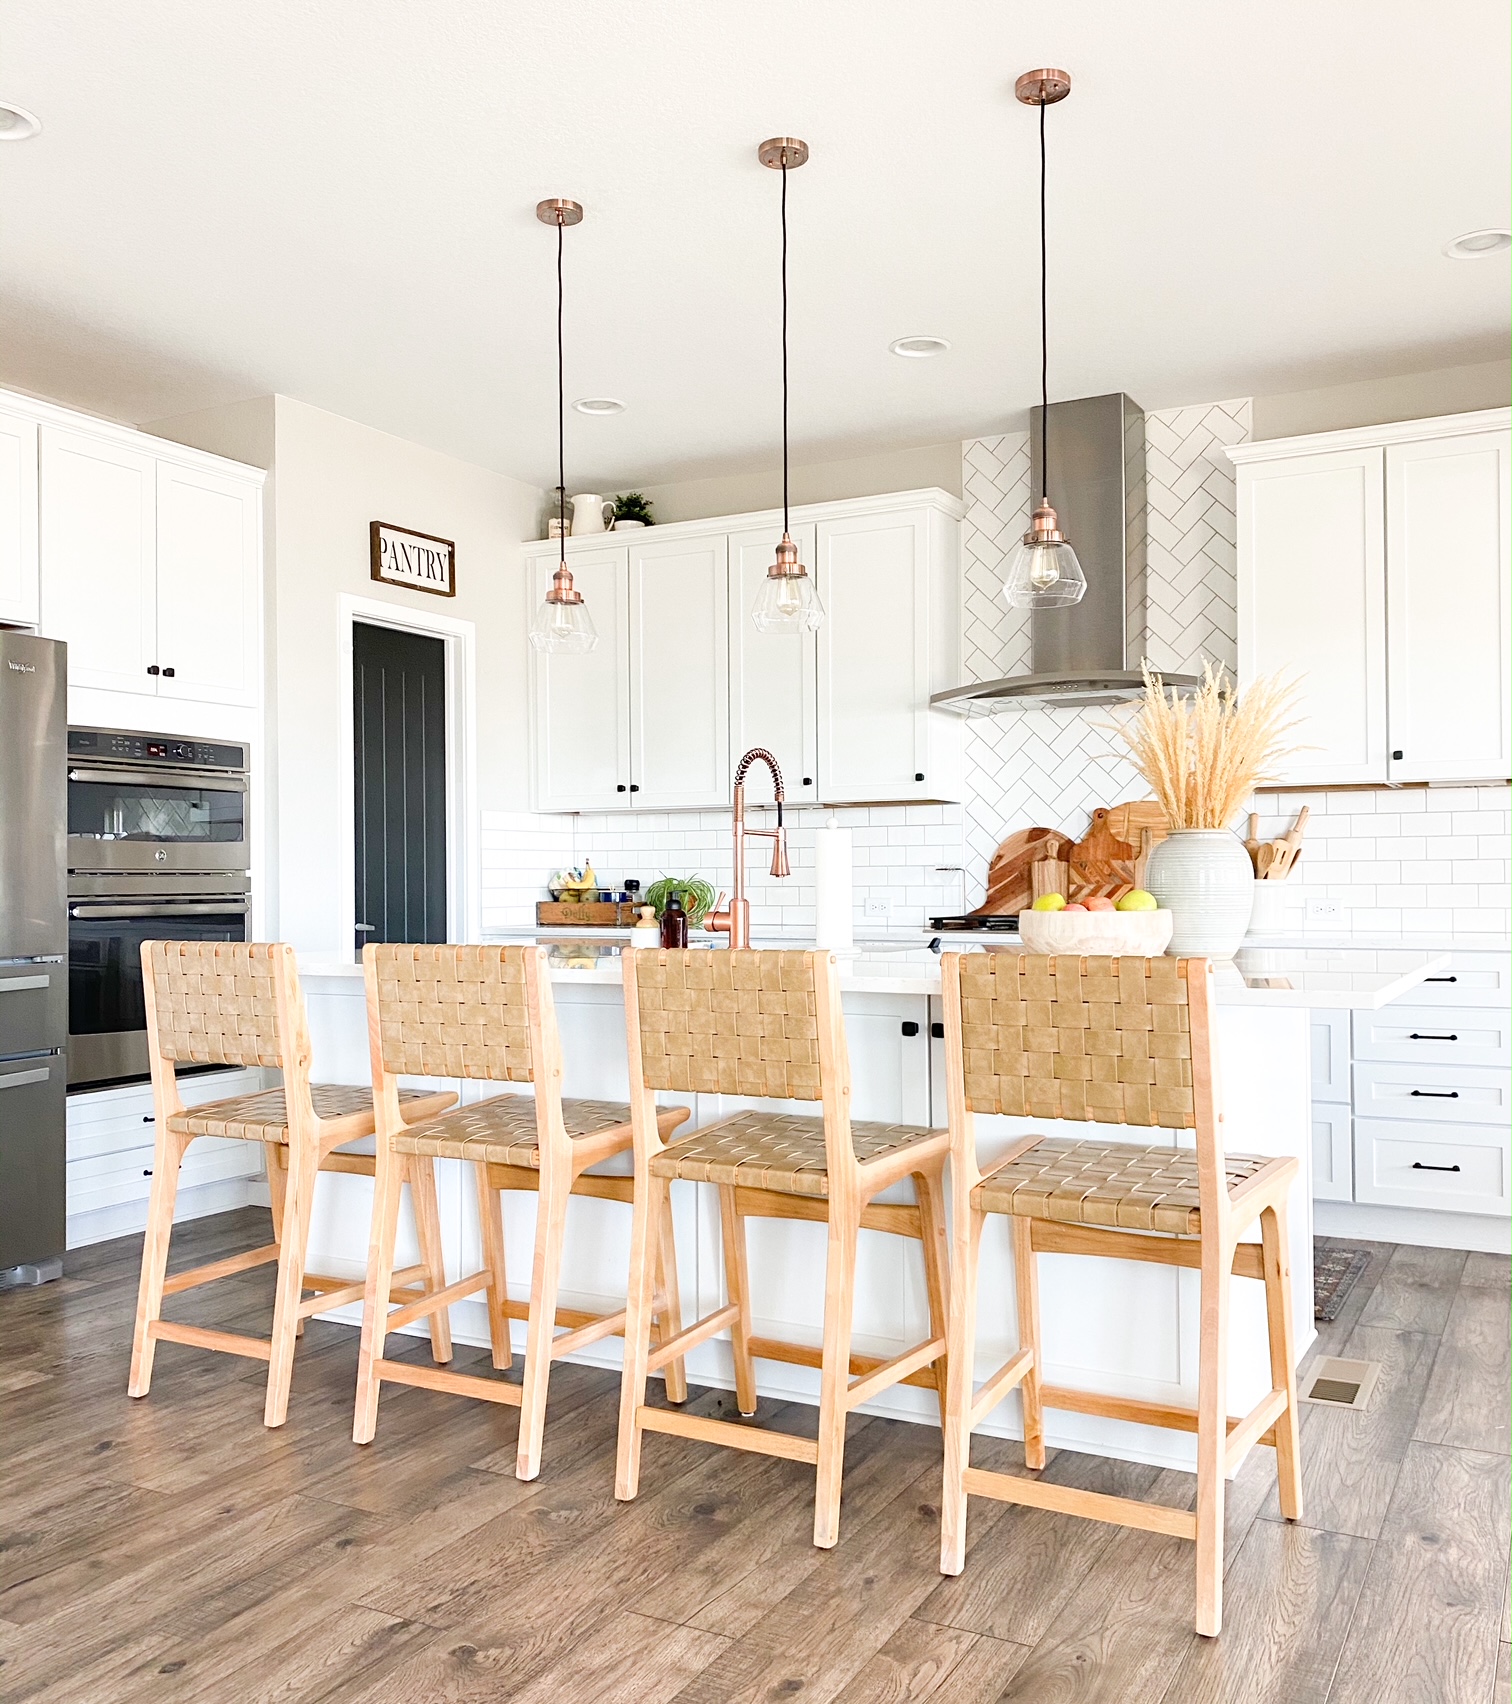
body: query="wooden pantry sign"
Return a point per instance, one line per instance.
(415, 560)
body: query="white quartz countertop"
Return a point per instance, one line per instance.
(1338, 978)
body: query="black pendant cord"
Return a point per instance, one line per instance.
(784, 349)
(1044, 327)
(561, 408)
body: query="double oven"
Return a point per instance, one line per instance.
(158, 849)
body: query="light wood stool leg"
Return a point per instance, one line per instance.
(650, 1204)
(277, 1174)
(299, 1199)
(676, 1373)
(834, 1378)
(1212, 1434)
(546, 1272)
(960, 1355)
(1026, 1288)
(1283, 1357)
(491, 1224)
(936, 1246)
(422, 1182)
(738, 1284)
(388, 1179)
(167, 1157)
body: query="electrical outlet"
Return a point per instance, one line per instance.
(876, 908)
(1323, 910)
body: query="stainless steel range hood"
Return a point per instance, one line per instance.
(1089, 653)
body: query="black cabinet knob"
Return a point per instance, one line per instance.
(910, 1029)
(808, 780)
(620, 788)
(635, 786)
(937, 1031)
(1397, 755)
(167, 671)
(152, 668)
(918, 775)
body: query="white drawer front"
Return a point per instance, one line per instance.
(1472, 979)
(1454, 1168)
(1333, 1154)
(1458, 1094)
(103, 1180)
(1330, 1055)
(1479, 1035)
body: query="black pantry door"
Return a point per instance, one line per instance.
(399, 792)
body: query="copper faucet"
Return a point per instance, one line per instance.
(735, 919)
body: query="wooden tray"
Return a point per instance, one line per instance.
(585, 914)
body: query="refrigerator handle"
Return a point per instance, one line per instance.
(15, 984)
(15, 1079)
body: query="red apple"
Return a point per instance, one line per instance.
(1099, 904)
(1073, 907)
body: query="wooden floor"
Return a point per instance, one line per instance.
(174, 1549)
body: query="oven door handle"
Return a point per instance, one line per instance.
(206, 781)
(159, 908)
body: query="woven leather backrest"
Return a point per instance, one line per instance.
(451, 1011)
(729, 1023)
(1105, 1039)
(217, 1001)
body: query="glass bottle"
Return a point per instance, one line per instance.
(674, 922)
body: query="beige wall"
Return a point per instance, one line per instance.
(1407, 396)
(819, 482)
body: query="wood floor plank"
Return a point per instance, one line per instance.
(1427, 1629)
(981, 1676)
(1467, 1400)
(1288, 1599)
(913, 1665)
(1501, 1688)
(1416, 1290)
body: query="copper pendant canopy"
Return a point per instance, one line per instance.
(558, 210)
(1043, 88)
(782, 151)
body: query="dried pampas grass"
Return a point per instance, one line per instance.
(1204, 755)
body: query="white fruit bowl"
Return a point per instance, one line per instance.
(1142, 934)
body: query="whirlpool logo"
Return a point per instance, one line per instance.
(20, 668)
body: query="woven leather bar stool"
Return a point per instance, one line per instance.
(768, 1024)
(487, 1013)
(238, 1003)
(1121, 1041)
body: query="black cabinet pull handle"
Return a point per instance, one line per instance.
(918, 775)
(808, 781)
(620, 788)
(147, 1171)
(167, 671)
(937, 1031)
(635, 786)
(1418, 1165)
(1440, 979)
(910, 1028)
(1414, 1036)
(1437, 1094)
(147, 1118)
(152, 668)
(1398, 756)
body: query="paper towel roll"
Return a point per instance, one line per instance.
(834, 924)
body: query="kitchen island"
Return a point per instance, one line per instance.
(1122, 1327)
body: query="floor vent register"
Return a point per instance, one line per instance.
(1340, 1384)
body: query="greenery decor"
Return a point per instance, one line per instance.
(633, 506)
(697, 897)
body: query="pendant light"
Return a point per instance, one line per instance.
(562, 623)
(787, 601)
(1044, 573)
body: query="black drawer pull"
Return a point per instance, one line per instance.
(152, 668)
(910, 1028)
(147, 1118)
(1418, 1165)
(937, 1031)
(1437, 1094)
(168, 672)
(1416, 1037)
(147, 1171)
(1440, 979)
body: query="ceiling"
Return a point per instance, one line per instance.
(335, 201)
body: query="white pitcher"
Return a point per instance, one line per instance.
(591, 513)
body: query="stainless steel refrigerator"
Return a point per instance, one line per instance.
(33, 954)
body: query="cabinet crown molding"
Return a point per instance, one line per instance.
(1370, 437)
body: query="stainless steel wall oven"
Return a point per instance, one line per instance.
(158, 849)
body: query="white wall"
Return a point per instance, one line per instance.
(1404, 396)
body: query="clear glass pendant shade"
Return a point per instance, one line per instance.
(787, 601)
(1044, 572)
(562, 623)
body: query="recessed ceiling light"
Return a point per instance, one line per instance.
(599, 405)
(919, 348)
(1476, 245)
(16, 123)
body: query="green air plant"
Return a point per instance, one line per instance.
(633, 506)
(697, 896)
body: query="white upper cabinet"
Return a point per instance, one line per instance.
(581, 702)
(1374, 565)
(679, 672)
(774, 677)
(99, 558)
(1448, 695)
(209, 543)
(1312, 603)
(19, 594)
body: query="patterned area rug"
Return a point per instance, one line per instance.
(1336, 1271)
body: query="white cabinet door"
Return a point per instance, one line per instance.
(679, 673)
(19, 599)
(1330, 1055)
(1312, 577)
(580, 703)
(872, 574)
(1449, 699)
(1333, 1153)
(209, 532)
(99, 559)
(774, 679)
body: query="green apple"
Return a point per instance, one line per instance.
(1138, 900)
(1050, 902)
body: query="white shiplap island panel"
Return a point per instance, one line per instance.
(1112, 1325)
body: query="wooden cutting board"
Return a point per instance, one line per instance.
(1109, 859)
(1009, 883)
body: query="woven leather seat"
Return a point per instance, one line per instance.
(774, 1150)
(264, 1117)
(1121, 1184)
(502, 1131)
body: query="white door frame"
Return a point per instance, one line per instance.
(463, 897)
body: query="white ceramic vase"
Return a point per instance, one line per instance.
(1204, 877)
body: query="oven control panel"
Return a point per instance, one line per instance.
(153, 748)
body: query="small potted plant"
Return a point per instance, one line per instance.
(632, 509)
